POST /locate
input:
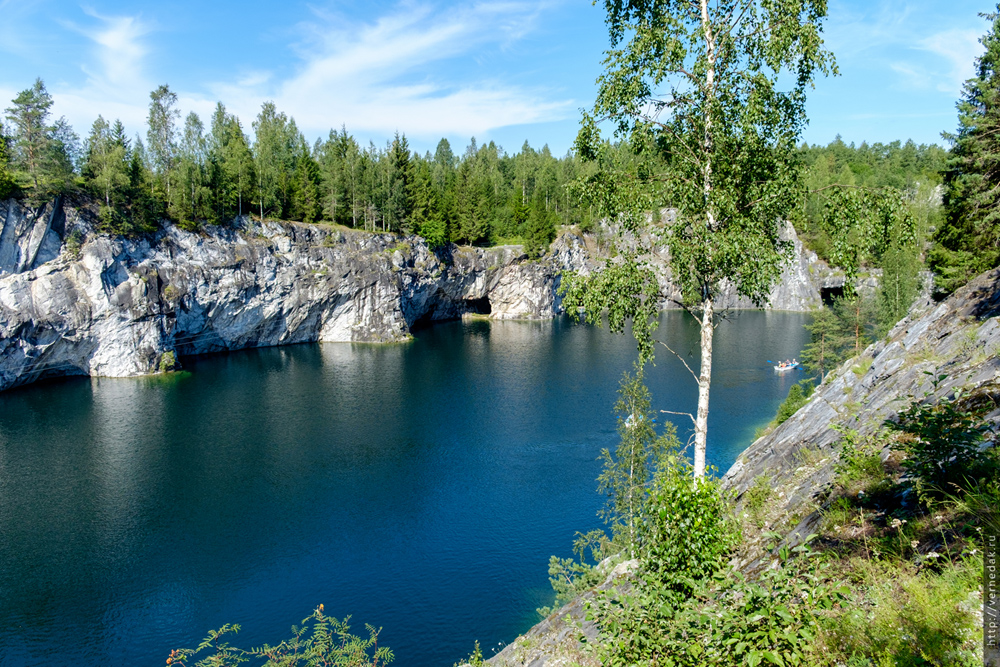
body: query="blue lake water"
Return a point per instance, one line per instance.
(418, 487)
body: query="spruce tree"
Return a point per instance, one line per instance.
(969, 242)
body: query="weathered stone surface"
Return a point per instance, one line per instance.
(958, 339)
(116, 307)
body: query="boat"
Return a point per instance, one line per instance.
(782, 369)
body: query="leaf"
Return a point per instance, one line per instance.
(774, 658)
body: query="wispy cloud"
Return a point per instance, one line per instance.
(926, 46)
(115, 83)
(419, 68)
(958, 49)
(390, 74)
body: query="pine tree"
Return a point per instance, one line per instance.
(540, 229)
(969, 242)
(33, 142)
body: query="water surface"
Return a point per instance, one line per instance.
(417, 487)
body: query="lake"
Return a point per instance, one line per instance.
(419, 487)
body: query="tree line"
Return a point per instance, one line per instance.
(195, 174)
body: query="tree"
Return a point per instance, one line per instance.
(161, 133)
(106, 168)
(8, 187)
(540, 228)
(192, 197)
(274, 158)
(969, 242)
(628, 472)
(898, 287)
(33, 143)
(695, 88)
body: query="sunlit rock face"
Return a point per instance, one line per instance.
(76, 302)
(118, 307)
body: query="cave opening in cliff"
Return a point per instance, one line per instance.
(831, 294)
(479, 306)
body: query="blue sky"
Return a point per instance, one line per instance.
(500, 70)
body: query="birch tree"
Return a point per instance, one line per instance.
(711, 99)
(161, 134)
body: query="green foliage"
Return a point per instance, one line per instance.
(969, 240)
(839, 332)
(475, 658)
(43, 154)
(161, 135)
(627, 473)
(757, 498)
(569, 577)
(859, 465)
(74, 241)
(910, 169)
(540, 227)
(687, 532)
(798, 394)
(686, 610)
(942, 443)
(623, 292)
(904, 618)
(898, 287)
(8, 187)
(320, 640)
(863, 225)
(168, 361)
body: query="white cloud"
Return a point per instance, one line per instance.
(391, 74)
(116, 85)
(926, 45)
(959, 49)
(415, 68)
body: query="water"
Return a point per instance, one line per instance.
(418, 487)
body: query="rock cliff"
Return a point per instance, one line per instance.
(75, 302)
(956, 341)
(958, 338)
(120, 307)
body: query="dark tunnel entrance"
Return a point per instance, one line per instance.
(479, 306)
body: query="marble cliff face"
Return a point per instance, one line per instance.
(74, 302)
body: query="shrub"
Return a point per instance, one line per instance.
(941, 442)
(320, 640)
(797, 397)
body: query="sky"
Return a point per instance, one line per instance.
(504, 70)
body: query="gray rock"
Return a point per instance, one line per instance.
(118, 307)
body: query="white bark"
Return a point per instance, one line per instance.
(704, 383)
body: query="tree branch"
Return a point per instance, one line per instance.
(680, 358)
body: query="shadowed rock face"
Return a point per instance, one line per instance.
(122, 307)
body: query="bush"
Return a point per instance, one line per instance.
(320, 640)
(797, 397)
(941, 442)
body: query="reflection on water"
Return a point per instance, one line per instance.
(420, 487)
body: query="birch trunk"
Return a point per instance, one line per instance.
(707, 314)
(704, 383)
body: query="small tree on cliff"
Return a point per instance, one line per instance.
(696, 89)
